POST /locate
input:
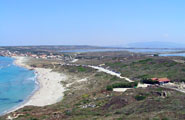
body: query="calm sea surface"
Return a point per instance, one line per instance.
(16, 84)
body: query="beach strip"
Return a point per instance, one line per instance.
(50, 89)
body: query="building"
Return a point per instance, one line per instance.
(161, 81)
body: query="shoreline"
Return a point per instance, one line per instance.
(48, 91)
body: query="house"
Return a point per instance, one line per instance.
(161, 81)
(43, 56)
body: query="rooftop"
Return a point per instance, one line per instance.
(161, 79)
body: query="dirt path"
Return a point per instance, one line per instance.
(110, 72)
(177, 87)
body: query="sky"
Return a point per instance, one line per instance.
(91, 22)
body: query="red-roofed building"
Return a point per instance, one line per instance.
(154, 78)
(161, 80)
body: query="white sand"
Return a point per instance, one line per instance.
(50, 91)
(50, 88)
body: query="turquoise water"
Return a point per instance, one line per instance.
(16, 84)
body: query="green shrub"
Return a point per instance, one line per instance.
(122, 85)
(143, 76)
(155, 119)
(149, 81)
(82, 69)
(159, 89)
(145, 61)
(115, 78)
(109, 88)
(183, 70)
(164, 118)
(182, 80)
(68, 112)
(33, 119)
(156, 55)
(84, 96)
(140, 97)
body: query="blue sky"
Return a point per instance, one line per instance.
(91, 22)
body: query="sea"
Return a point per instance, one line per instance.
(16, 84)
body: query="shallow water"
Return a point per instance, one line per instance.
(16, 84)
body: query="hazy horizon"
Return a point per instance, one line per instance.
(92, 22)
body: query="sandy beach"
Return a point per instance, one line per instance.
(50, 89)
